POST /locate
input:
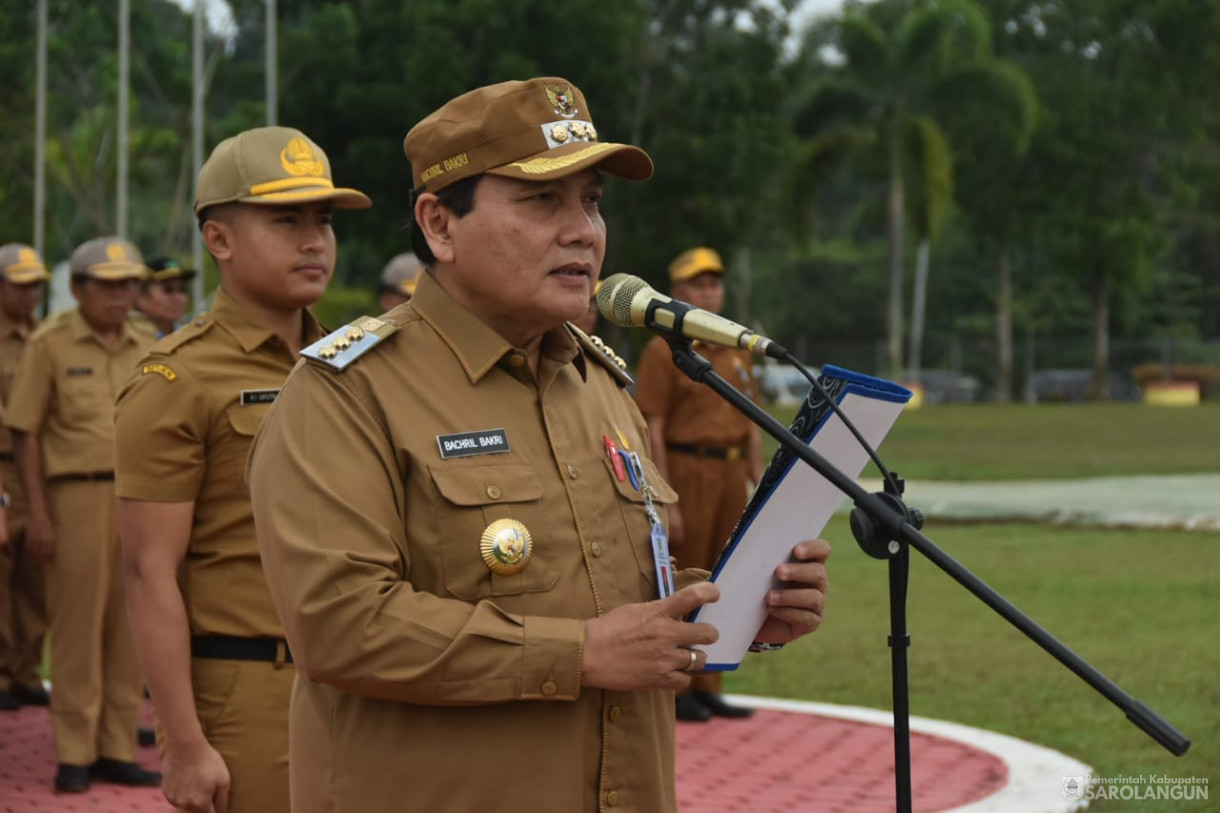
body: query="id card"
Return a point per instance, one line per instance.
(660, 540)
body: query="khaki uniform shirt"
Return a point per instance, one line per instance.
(13, 336)
(185, 423)
(693, 412)
(426, 681)
(64, 391)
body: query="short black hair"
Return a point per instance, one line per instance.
(458, 198)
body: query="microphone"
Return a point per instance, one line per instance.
(628, 301)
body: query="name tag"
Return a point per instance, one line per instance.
(80, 371)
(251, 397)
(466, 444)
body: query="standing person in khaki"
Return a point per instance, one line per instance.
(23, 603)
(62, 416)
(163, 296)
(710, 452)
(212, 648)
(466, 582)
(398, 280)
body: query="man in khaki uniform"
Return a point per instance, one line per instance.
(709, 451)
(212, 648)
(23, 603)
(161, 302)
(466, 581)
(398, 280)
(62, 416)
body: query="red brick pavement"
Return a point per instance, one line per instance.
(777, 761)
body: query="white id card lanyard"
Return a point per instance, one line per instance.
(660, 542)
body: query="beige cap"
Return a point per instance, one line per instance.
(693, 262)
(535, 130)
(108, 258)
(163, 268)
(271, 165)
(401, 273)
(21, 264)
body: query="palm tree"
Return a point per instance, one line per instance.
(888, 101)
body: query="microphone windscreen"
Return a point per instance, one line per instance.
(615, 298)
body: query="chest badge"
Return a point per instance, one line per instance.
(507, 547)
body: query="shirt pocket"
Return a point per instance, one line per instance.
(227, 457)
(635, 514)
(473, 497)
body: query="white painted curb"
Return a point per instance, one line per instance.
(1035, 773)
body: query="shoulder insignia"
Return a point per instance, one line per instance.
(601, 351)
(339, 349)
(159, 369)
(193, 329)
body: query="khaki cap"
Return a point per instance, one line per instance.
(535, 130)
(21, 264)
(164, 268)
(401, 273)
(108, 258)
(693, 262)
(275, 166)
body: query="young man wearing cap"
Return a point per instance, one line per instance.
(212, 648)
(709, 451)
(161, 302)
(468, 587)
(23, 608)
(61, 413)
(398, 281)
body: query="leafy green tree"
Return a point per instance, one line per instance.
(888, 100)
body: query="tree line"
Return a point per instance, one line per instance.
(902, 172)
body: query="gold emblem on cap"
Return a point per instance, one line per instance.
(562, 99)
(27, 256)
(506, 547)
(560, 133)
(298, 158)
(590, 132)
(116, 253)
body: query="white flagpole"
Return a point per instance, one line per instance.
(197, 149)
(270, 51)
(40, 133)
(124, 77)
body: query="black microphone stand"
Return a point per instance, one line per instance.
(886, 528)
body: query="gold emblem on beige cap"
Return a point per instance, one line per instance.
(116, 253)
(298, 158)
(507, 547)
(562, 99)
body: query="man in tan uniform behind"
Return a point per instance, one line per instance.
(398, 280)
(23, 595)
(62, 416)
(466, 582)
(209, 640)
(709, 451)
(163, 296)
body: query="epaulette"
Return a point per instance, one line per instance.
(603, 353)
(339, 349)
(53, 321)
(191, 330)
(141, 323)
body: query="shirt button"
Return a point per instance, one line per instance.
(549, 688)
(493, 492)
(616, 713)
(596, 547)
(613, 798)
(573, 472)
(516, 360)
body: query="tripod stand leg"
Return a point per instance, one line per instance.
(900, 641)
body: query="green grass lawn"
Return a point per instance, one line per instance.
(1047, 441)
(1143, 607)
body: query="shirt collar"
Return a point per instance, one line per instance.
(82, 330)
(247, 330)
(9, 327)
(477, 346)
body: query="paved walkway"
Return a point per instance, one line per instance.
(1189, 502)
(789, 757)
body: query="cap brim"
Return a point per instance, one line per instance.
(622, 160)
(115, 271)
(24, 276)
(342, 198)
(691, 273)
(172, 273)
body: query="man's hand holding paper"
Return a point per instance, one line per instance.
(795, 608)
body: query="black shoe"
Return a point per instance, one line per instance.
(31, 695)
(124, 773)
(71, 779)
(8, 702)
(146, 737)
(716, 706)
(690, 710)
